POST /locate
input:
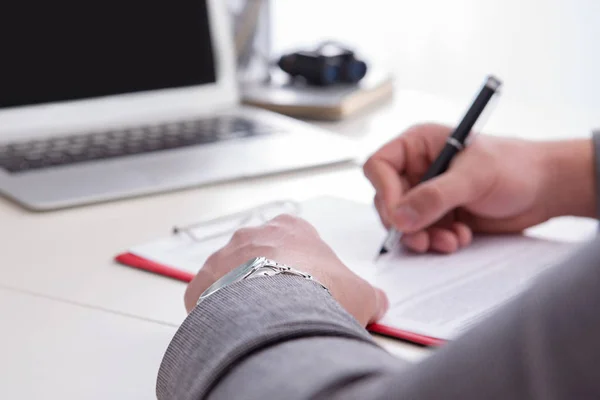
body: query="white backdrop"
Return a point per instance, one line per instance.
(547, 52)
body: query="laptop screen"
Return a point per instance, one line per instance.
(72, 49)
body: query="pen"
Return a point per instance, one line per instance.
(454, 144)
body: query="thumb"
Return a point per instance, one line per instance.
(381, 305)
(429, 201)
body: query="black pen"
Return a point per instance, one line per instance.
(454, 144)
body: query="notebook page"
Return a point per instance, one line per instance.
(443, 295)
(431, 294)
(179, 252)
(351, 229)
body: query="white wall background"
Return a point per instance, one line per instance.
(547, 52)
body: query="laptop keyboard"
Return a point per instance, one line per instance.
(65, 150)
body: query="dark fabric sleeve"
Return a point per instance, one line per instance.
(596, 140)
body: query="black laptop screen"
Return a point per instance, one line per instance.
(57, 50)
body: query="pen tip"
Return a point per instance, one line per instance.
(383, 251)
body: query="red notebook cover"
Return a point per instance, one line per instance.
(135, 261)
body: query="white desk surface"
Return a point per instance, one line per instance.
(99, 326)
(55, 350)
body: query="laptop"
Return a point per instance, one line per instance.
(111, 99)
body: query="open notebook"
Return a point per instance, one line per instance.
(433, 298)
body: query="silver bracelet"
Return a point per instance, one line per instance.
(259, 266)
(272, 268)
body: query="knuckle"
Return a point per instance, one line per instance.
(368, 166)
(376, 199)
(292, 223)
(216, 258)
(264, 234)
(212, 259)
(243, 235)
(414, 129)
(421, 129)
(305, 225)
(285, 220)
(270, 229)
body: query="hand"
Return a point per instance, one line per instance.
(495, 185)
(296, 243)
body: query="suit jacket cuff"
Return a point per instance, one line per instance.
(243, 318)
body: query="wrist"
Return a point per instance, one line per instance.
(253, 268)
(570, 181)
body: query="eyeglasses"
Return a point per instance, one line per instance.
(228, 224)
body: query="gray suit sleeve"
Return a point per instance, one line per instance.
(245, 319)
(285, 337)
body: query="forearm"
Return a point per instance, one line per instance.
(572, 175)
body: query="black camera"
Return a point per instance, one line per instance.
(328, 65)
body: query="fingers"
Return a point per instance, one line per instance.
(387, 183)
(390, 187)
(463, 232)
(417, 242)
(382, 211)
(428, 202)
(417, 143)
(394, 168)
(381, 305)
(438, 239)
(443, 240)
